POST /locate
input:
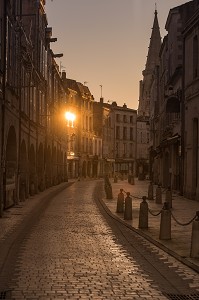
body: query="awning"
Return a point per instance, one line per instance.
(171, 140)
(110, 159)
(72, 157)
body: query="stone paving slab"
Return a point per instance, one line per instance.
(183, 209)
(72, 253)
(13, 216)
(52, 264)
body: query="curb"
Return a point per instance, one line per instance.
(151, 240)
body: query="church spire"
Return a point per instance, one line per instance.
(154, 46)
(151, 63)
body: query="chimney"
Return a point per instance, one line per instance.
(63, 75)
(101, 100)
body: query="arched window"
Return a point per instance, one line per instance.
(195, 56)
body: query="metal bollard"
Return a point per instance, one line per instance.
(109, 193)
(168, 198)
(194, 253)
(120, 202)
(128, 207)
(158, 198)
(143, 215)
(32, 189)
(165, 223)
(150, 191)
(132, 180)
(22, 192)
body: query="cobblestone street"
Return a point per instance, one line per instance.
(71, 252)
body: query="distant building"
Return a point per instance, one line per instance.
(103, 129)
(124, 120)
(84, 159)
(190, 109)
(117, 127)
(147, 98)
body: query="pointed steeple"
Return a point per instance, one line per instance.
(154, 46)
(151, 63)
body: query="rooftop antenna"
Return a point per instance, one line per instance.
(101, 89)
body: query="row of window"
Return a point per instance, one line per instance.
(91, 147)
(124, 133)
(124, 149)
(88, 105)
(124, 118)
(87, 123)
(143, 137)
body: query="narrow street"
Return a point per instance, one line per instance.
(71, 249)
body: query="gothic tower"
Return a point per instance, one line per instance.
(152, 61)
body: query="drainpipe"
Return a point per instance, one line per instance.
(19, 133)
(2, 172)
(182, 122)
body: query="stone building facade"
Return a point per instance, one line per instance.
(34, 144)
(85, 161)
(190, 109)
(124, 121)
(147, 100)
(118, 128)
(174, 104)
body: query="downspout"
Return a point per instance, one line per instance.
(182, 123)
(19, 134)
(2, 172)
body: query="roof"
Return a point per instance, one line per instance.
(154, 46)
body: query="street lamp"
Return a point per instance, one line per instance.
(70, 118)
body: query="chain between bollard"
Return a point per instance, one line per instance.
(153, 214)
(140, 198)
(183, 224)
(179, 223)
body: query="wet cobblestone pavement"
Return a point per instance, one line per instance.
(73, 252)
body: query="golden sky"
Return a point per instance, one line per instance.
(105, 42)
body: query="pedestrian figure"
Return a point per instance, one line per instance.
(150, 191)
(120, 202)
(169, 197)
(128, 207)
(158, 194)
(115, 178)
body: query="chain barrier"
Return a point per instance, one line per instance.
(140, 198)
(157, 214)
(183, 224)
(179, 223)
(154, 214)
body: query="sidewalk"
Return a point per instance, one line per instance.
(183, 210)
(13, 216)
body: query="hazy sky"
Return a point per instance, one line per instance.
(105, 42)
